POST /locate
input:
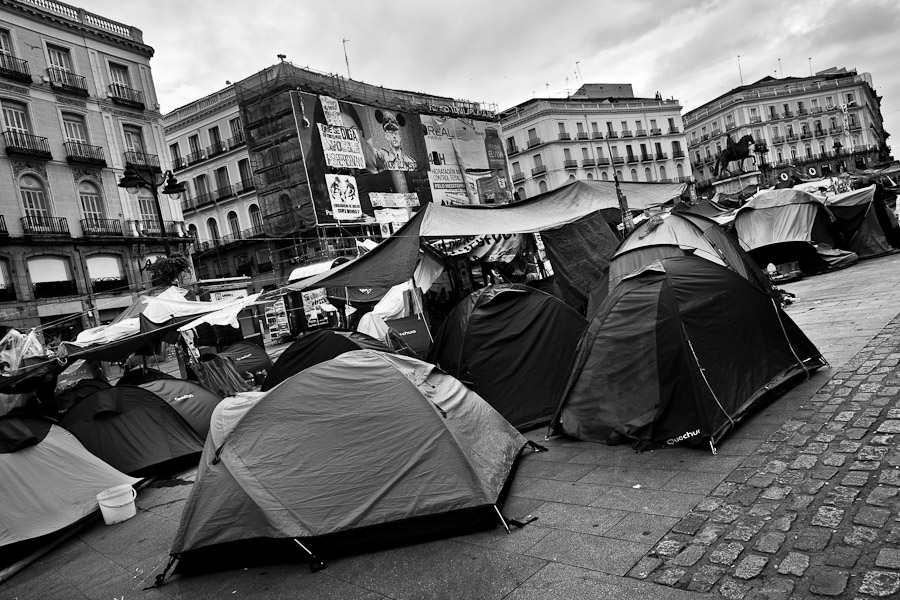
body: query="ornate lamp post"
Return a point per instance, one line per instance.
(133, 180)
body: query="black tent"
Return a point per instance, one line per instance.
(131, 429)
(139, 375)
(679, 352)
(316, 347)
(192, 401)
(64, 400)
(863, 224)
(247, 357)
(513, 345)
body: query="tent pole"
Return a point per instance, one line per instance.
(314, 563)
(502, 520)
(415, 294)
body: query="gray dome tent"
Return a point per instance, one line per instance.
(367, 448)
(193, 402)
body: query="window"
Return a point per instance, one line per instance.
(634, 176)
(671, 124)
(567, 154)
(233, 224)
(638, 125)
(7, 291)
(584, 154)
(222, 181)
(609, 127)
(625, 125)
(542, 186)
(236, 127)
(793, 152)
(51, 276)
(175, 154)
(679, 170)
(629, 151)
(594, 128)
(814, 103)
(538, 161)
(511, 145)
(662, 173)
(245, 174)
(192, 231)
(15, 118)
(34, 200)
(850, 98)
(599, 151)
(800, 108)
(647, 174)
(614, 152)
(676, 148)
(829, 101)
(105, 272)
(75, 131)
(694, 136)
(215, 140)
(263, 260)
(517, 168)
(808, 150)
(754, 113)
(91, 202)
(532, 134)
(147, 207)
(562, 127)
(604, 176)
(520, 194)
(118, 76)
(729, 121)
(255, 218)
(213, 229)
(194, 145)
(134, 139)
(201, 185)
(59, 58)
(580, 127)
(653, 124)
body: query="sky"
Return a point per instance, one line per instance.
(505, 52)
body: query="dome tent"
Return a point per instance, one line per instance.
(863, 224)
(679, 352)
(130, 428)
(193, 402)
(247, 357)
(513, 345)
(365, 449)
(316, 347)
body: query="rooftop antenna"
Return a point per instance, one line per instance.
(578, 70)
(567, 86)
(739, 69)
(347, 60)
(780, 73)
(548, 89)
(810, 66)
(281, 57)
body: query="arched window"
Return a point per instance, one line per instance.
(647, 174)
(542, 186)
(213, 229)
(521, 193)
(590, 176)
(105, 272)
(255, 218)
(808, 150)
(679, 170)
(7, 290)
(91, 202)
(604, 176)
(51, 276)
(233, 223)
(619, 174)
(34, 200)
(192, 231)
(793, 152)
(662, 173)
(571, 177)
(634, 175)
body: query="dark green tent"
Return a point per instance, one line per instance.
(678, 353)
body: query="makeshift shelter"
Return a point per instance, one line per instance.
(863, 225)
(218, 375)
(367, 449)
(247, 357)
(513, 345)
(132, 429)
(50, 481)
(139, 375)
(64, 400)
(786, 225)
(680, 352)
(317, 347)
(193, 402)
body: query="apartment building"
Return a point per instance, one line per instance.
(78, 103)
(600, 131)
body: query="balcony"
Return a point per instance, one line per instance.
(226, 191)
(54, 289)
(4, 232)
(704, 137)
(835, 130)
(85, 154)
(730, 126)
(109, 284)
(66, 81)
(709, 160)
(818, 132)
(618, 160)
(25, 144)
(582, 135)
(126, 96)
(632, 158)
(787, 114)
(532, 142)
(564, 136)
(588, 162)
(538, 170)
(655, 131)
(640, 133)
(661, 156)
(244, 186)
(674, 130)
(716, 132)
(194, 157)
(792, 137)
(179, 163)
(855, 126)
(215, 149)
(95, 228)
(570, 163)
(755, 119)
(627, 133)
(777, 139)
(512, 150)
(801, 112)
(143, 161)
(14, 68)
(677, 153)
(602, 162)
(150, 228)
(611, 135)
(51, 226)
(7, 292)
(646, 157)
(773, 116)
(237, 140)
(518, 176)
(815, 110)
(805, 135)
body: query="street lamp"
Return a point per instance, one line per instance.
(133, 180)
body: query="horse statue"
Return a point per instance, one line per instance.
(734, 151)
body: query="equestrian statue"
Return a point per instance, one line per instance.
(734, 151)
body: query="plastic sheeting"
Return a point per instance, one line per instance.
(361, 441)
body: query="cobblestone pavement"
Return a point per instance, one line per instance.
(813, 512)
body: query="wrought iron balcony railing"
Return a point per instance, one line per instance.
(237, 140)
(532, 142)
(101, 227)
(25, 144)
(54, 226)
(126, 96)
(79, 152)
(539, 170)
(54, 289)
(109, 284)
(518, 176)
(14, 68)
(143, 161)
(178, 163)
(215, 149)
(195, 157)
(564, 136)
(225, 192)
(68, 81)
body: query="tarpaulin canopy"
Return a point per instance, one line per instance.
(394, 259)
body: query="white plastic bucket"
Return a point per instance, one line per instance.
(117, 503)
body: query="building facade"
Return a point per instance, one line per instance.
(78, 102)
(221, 210)
(824, 124)
(599, 131)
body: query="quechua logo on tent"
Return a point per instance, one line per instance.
(682, 437)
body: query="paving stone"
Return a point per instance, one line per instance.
(882, 496)
(783, 523)
(723, 489)
(811, 487)
(801, 501)
(804, 461)
(872, 517)
(882, 440)
(745, 529)
(794, 564)
(740, 475)
(708, 505)
(763, 509)
(733, 590)
(766, 448)
(744, 495)
(889, 477)
(669, 548)
(842, 556)
(880, 583)
(825, 437)
(690, 524)
(844, 416)
(864, 422)
(856, 433)
(865, 465)
(645, 567)
(848, 446)
(769, 542)
(889, 426)
(689, 556)
(791, 478)
(834, 460)
(776, 492)
(750, 566)
(872, 453)
(814, 448)
(761, 480)
(775, 466)
(828, 516)
(835, 426)
(893, 537)
(888, 558)
(841, 496)
(828, 582)
(705, 577)
(775, 589)
(861, 535)
(811, 539)
(669, 576)
(855, 479)
(797, 440)
(726, 553)
(709, 534)
(727, 514)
